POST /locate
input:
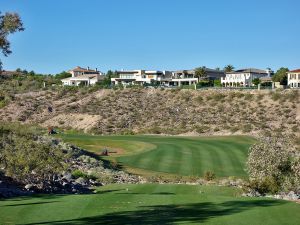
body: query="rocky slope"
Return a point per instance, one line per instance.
(157, 111)
(82, 171)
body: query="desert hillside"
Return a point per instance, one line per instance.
(157, 111)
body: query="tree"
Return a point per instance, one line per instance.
(201, 73)
(274, 164)
(31, 73)
(62, 75)
(256, 81)
(9, 24)
(228, 68)
(217, 83)
(281, 76)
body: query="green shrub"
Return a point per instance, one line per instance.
(247, 128)
(17, 142)
(199, 99)
(209, 175)
(275, 96)
(2, 104)
(78, 173)
(234, 129)
(266, 185)
(248, 96)
(202, 129)
(273, 165)
(292, 96)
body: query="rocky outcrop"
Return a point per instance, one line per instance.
(83, 172)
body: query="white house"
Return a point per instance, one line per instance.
(244, 77)
(294, 78)
(82, 76)
(140, 77)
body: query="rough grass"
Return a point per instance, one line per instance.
(188, 156)
(149, 204)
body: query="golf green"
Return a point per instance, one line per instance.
(188, 156)
(149, 204)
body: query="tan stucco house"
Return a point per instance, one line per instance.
(82, 76)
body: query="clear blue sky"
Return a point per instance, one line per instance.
(154, 34)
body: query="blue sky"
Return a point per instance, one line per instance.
(154, 34)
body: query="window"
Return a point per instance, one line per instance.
(126, 76)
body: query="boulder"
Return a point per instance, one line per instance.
(29, 186)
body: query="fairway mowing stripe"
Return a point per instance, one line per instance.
(196, 164)
(226, 156)
(186, 167)
(173, 165)
(145, 160)
(206, 157)
(243, 154)
(163, 158)
(217, 164)
(179, 155)
(154, 158)
(139, 160)
(201, 153)
(178, 160)
(167, 157)
(236, 166)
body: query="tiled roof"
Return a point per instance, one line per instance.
(86, 76)
(80, 69)
(10, 73)
(295, 71)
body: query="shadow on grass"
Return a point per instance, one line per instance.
(170, 214)
(141, 193)
(29, 203)
(108, 191)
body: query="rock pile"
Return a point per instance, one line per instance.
(83, 172)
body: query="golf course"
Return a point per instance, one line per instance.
(149, 204)
(154, 203)
(184, 156)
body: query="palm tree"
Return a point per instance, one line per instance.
(201, 73)
(228, 68)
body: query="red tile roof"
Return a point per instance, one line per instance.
(295, 71)
(10, 73)
(80, 69)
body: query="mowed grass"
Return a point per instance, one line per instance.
(150, 204)
(187, 156)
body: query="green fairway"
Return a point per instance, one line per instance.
(225, 156)
(150, 204)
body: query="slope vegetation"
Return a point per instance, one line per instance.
(159, 111)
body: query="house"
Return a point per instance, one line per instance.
(188, 77)
(294, 78)
(82, 76)
(9, 74)
(244, 77)
(210, 74)
(166, 78)
(140, 77)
